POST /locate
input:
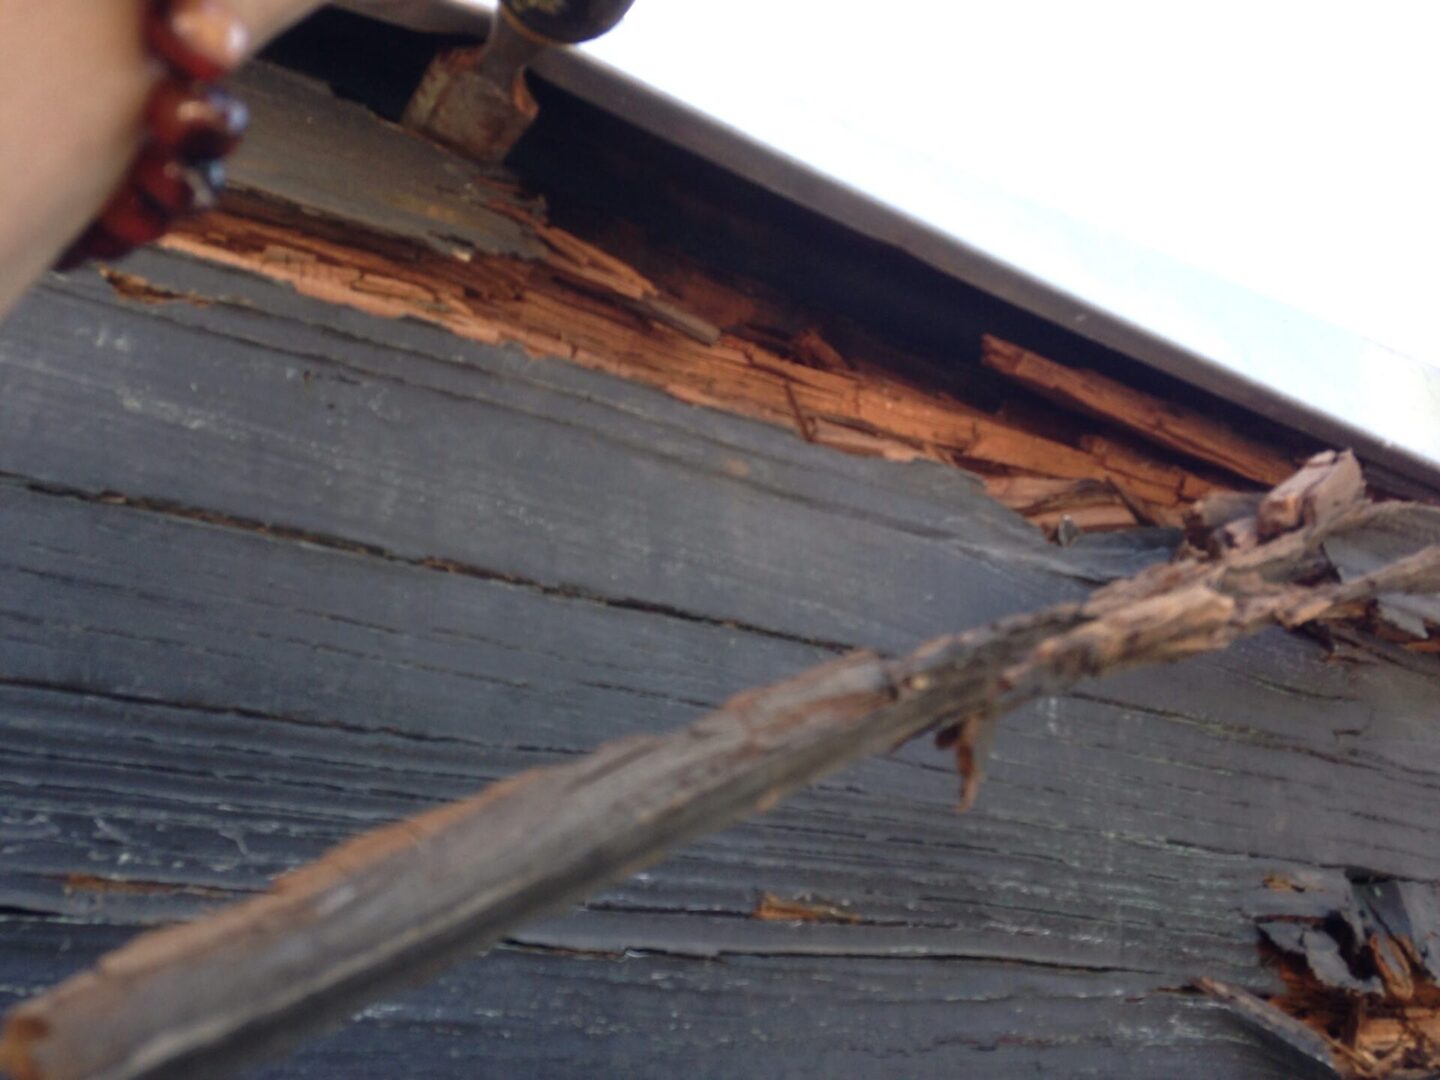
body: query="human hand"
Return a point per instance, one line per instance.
(74, 77)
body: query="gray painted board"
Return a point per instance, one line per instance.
(225, 644)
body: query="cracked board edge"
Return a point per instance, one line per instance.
(558, 1013)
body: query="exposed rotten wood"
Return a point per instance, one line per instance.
(1155, 480)
(553, 307)
(1359, 964)
(1157, 421)
(1089, 504)
(497, 300)
(396, 900)
(772, 908)
(539, 286)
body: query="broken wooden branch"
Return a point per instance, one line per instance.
(391, 905)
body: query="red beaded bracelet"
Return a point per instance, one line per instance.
(190, 124)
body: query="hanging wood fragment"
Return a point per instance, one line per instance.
(392, 905)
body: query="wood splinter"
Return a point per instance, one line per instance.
(389, 907)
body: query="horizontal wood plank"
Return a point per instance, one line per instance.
(536, 1011)
(429, 448)
(275, 572)
(1117, 831)
(1144, 415)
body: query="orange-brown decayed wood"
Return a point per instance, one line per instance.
(587, 306)
(1149, 417)
(1090, 504)
(498, 299)
(772, 908)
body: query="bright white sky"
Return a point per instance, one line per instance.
(1288, 147)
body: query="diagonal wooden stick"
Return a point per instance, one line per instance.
(392, 905)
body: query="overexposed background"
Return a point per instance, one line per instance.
(1287, 147)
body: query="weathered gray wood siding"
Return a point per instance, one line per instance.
(273, 572)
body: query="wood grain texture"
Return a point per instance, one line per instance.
(414, 192)
(1144, 415)
(538, 1012)
(507, 275)
(391, 684)
(412, 443)
(277, 572)
(395, 902)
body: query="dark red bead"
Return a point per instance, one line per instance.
(191, 126)
(208, 177)
(176, 187)
(158, 191)
(195, 121)
(199, 38)
(133, 217)
(161, 179)
(93, 243)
